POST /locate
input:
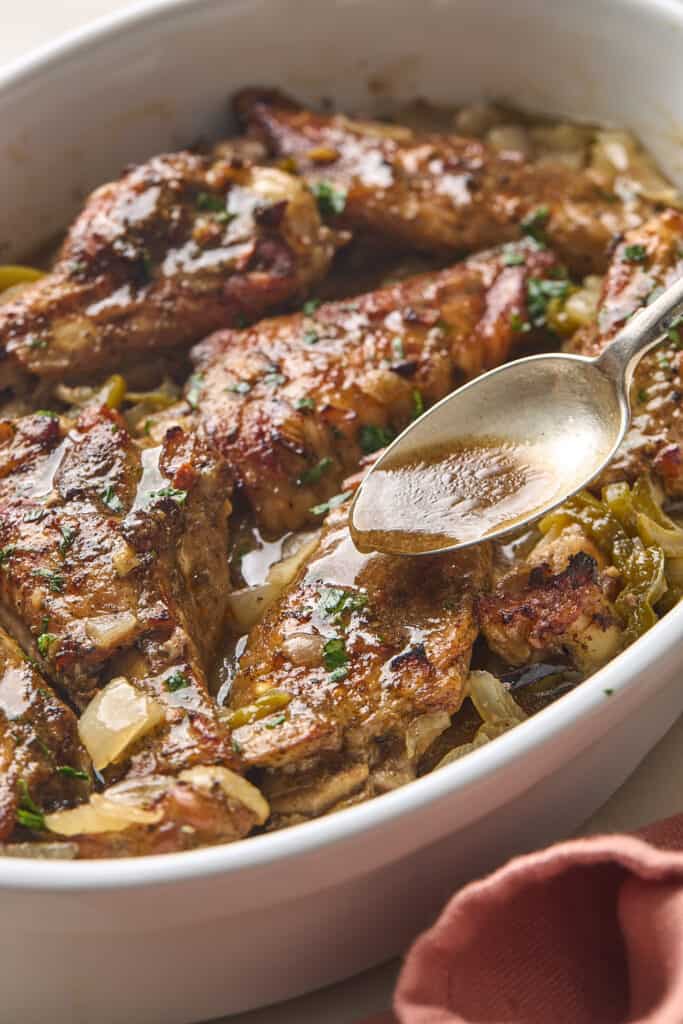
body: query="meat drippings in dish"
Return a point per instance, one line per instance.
(192, 648)
(451, 494)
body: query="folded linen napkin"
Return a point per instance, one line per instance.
(586, 932)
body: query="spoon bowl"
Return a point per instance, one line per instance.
(503, 450)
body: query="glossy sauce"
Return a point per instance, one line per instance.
(447, 495)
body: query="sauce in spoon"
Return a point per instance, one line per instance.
(452, 494)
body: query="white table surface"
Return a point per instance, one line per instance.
(653, 791)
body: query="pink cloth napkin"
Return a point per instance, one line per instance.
(585, 932)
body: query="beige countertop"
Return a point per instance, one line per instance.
(653, 791)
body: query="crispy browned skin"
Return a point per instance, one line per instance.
(177, 247)
(293, 403)
(655, 440)
(115, 557)
(437, 192)
(406, 629)
(41, 759)
(559, 603)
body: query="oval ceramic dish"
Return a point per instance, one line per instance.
(190, 936)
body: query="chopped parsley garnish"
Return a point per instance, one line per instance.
(48, 413)
(44, 642)
(338, 674)
(373, 438)
(674, 334)
(513, 257)
(274, 380)
(397, 349)
(311, 337)
(539, 293)
(305, 403)
(327, 506)
(334, 601)
(634, 254)
(36, 341)
(147, 264)
(331, 200)
(55, 582)
(311, 306)
(111, 499)
(35, 515)
(418, 403)
(73, 773)
(642, 396)
(608, 692)
(334, 654)
(212, 203)
(6, 553)
(68, 537)
(176, 681)
(194, 390)
(28, 813)
(242, 387)
(534, 223)
(314, 473)
(177, 495)
(44, 747)
(517, 324)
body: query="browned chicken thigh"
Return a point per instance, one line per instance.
(368, 655)
(115, 581)
(648, 259)
(177, 247)
(434, 191)
(42, 762)
(295, 402)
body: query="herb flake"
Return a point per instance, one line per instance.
(634, 254)
(334, 654)
(55, 582)
(313, 474)
(176, 681)
(327, 506)
(111, 499)
(72, 773)
(331, 199)
(372, 438)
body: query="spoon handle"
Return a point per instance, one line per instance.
(645, 329)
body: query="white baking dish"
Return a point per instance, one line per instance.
(190, 936)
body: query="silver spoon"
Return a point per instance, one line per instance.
(506, 448)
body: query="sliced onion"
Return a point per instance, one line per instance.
(249, 604)
(422, 732)
(40, 851)
(111, 630)
(206, 777)
(376, 129)
(114, 719)
(497, 708)
(619, 157)
(493, 700)
(99, 815)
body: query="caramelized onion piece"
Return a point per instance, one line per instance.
(99, 815)
(248, 605)
(207, 777)
(115, 718)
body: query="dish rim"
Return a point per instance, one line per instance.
(608, 683)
